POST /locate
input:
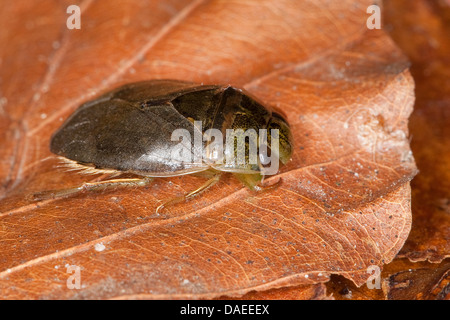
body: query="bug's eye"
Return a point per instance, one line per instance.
(264, 158)
(285, 137)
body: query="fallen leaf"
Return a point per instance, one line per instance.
(344, 199)
(306, 292)
(421, 29)
(417, 281)
(400, 280)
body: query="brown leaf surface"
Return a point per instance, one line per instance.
(421, 29)
(302, 292)
(417, 281)
(344, 201)
(400, 280)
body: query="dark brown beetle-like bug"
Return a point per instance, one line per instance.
(131, 130)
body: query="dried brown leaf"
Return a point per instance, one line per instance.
(421, 29)
(344, 200)
(400, 280)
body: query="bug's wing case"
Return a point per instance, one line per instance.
(117, 132)
(155, 91)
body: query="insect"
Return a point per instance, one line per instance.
(131, 130)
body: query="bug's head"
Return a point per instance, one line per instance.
(285, 146)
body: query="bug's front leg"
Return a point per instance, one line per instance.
(255, 182)
(212, 181)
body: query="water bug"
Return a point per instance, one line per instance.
(131, 130)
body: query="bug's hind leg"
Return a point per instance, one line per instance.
(212, 181)
(92, 186)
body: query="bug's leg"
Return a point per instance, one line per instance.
(255, 182)
(262, 187)
(92, 186)
(212, 181)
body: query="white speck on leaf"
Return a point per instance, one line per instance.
(99, 247)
